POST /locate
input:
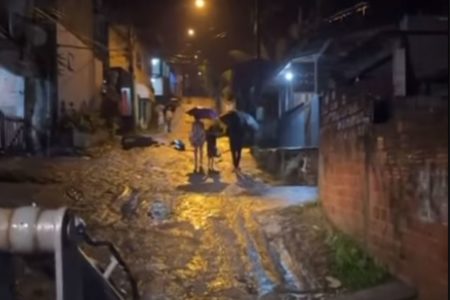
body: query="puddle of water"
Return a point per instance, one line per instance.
(284, 261)
(265, 284)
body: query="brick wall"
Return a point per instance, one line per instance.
(386, 183)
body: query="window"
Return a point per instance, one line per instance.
(156, 67)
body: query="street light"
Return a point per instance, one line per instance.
(191, 32)
(289, 76)
(199, 3)
(155, 61)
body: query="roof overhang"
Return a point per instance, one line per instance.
(304, 58)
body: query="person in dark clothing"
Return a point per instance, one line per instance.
(239, 125)
(236, 140)
(235, 131)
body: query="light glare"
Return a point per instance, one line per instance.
(199, 3)
(289, 76)
(155, 61)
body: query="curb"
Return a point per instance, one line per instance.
(393, 290)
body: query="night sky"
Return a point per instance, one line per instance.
(163, 23)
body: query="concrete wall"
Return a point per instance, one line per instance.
(299, 127)
(386, 184)
(298, 167)
(80, 74)
(77, 16)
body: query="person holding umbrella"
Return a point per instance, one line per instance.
(198, 135)
(197, 139)
(238, 125)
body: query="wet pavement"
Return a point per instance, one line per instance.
(193, 236)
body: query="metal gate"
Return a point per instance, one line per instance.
(12, 134)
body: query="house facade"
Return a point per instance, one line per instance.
(26, 78)
(80, 72)
(52, 52)
(383, 151)
(381, 140)
(290, 116)
(167, 81)
(136, 104)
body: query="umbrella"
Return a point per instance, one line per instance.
(239, 119)
(203, 113)
(250, 121)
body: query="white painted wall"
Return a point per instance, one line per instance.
(12, 88)
(80, 73)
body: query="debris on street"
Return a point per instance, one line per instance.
(333, 283)
(138, 141)
(178, 145)
(158, 211)
(130, 207)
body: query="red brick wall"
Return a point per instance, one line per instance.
(386, 184)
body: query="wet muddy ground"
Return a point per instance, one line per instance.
(217, 238)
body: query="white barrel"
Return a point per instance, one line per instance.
(28, 230)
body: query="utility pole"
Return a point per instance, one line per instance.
(258, 76)
(131, 71)
(257, 28)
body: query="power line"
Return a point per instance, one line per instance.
(57, 21)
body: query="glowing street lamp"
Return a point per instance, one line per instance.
(191, 32)
(155, 61)
(199, 3)
(289, 76)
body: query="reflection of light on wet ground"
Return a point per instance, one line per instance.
(224, 276)
(218, 284)
(194, 268)
(197, 209)
(265, 283)
(210, 248)
(292, 195)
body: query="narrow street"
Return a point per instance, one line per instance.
(211, 246)
(342, 195)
